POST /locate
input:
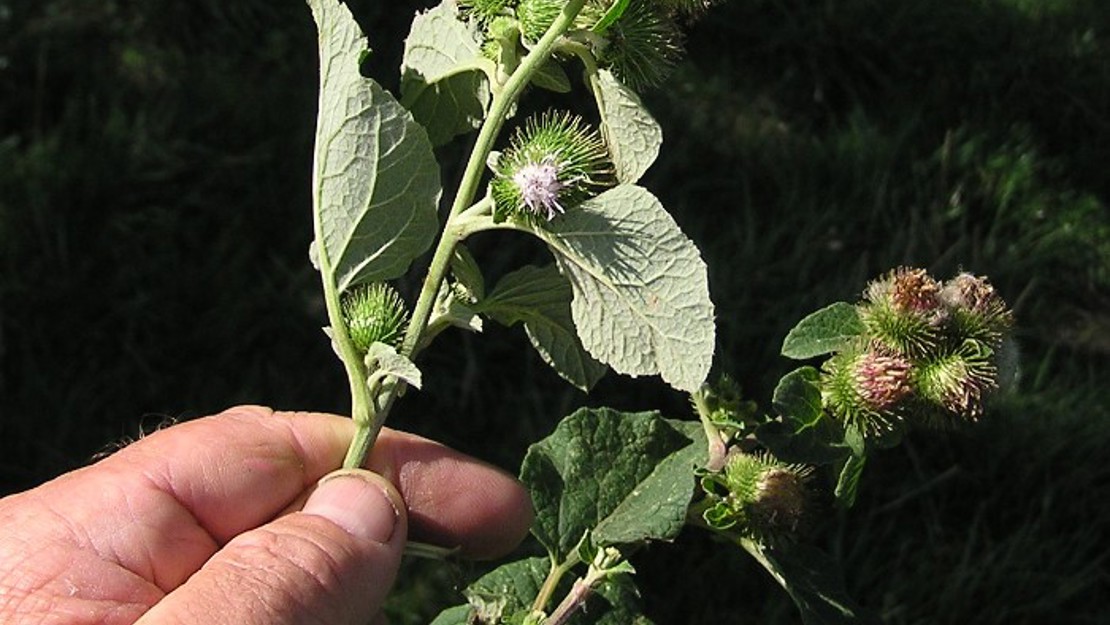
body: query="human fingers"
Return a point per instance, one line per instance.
(162, 506)
(331, 562)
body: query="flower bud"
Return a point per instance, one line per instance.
(959, 382)
(866, 388)
(903, 311)
(976, 309)
(483, 11)
(644, 45)
(552, 164)
(767, 499)
(536, 16)
(374, 313)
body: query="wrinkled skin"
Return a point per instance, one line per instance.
(226, 520)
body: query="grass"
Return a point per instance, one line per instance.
(154, 227)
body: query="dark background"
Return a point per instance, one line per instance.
(155, 218)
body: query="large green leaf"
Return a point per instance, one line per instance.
(802, 432)
(632, 134)
(375, 179)
(540, 298)
(506, 595)
(641, 296)
(623, 477)
(813, 580)
(442, 81)
(827, 330)
(507, 590)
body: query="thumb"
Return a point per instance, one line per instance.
(332, 562)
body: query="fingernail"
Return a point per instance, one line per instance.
(357, 501)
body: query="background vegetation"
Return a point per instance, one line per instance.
(154, 224)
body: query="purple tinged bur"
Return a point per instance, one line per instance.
(882, 381)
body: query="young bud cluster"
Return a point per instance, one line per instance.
(374, 313)
(640, 41)
(930, 353)
(759, 497)
(553, 163)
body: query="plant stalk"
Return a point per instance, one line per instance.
(370, 415)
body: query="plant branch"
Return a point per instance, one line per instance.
(554, 576)
(373, 412)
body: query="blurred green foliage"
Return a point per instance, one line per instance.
(154, 224)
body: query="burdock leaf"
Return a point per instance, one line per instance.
(540, 298)
(383, 360)
(507, 590)
(442, 81)
(847, 484)
(375, 179)
(551, 76)
(641, 296)
(621, 477)
(632, 134)
(813, 580)
(802, 431)
(822, 332)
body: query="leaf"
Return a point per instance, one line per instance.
(550, 76)
(455, 615)
(508, 589)
(632, 134)
(847, 484)
(466, 271)
(804, 432)
(641, 296)
(383, 360)
(540, 298)
(375, 179)
(624, 602)
(454, 306)
(449, 107)
(625, 477)
(442, 81)
(825, 331)
(813, 580)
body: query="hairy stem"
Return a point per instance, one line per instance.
(574, 601)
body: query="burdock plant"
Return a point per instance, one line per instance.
(625, 291)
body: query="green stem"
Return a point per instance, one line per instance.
(370, 417)
(716, 449)
(554, 576)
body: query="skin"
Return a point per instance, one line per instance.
(226, 520)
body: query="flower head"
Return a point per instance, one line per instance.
(959, 382)
(374, 313)
(552, 164)
(903, 311)
(977, 310)
(865, 387)
(764, 498)
(539, 187)
(483, 11)
(643, 45)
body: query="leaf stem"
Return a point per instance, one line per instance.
(716, 448)
(554, 576)
(574, 600)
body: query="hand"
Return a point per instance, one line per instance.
(227, 520)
